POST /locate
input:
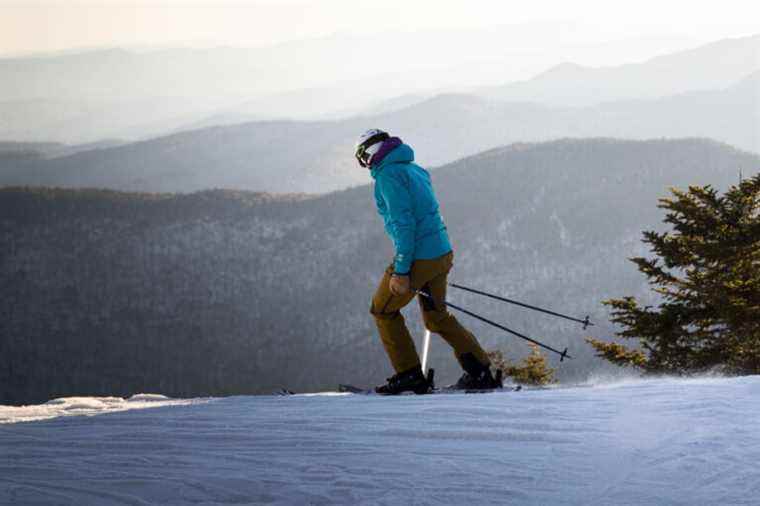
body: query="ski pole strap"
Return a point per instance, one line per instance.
(562, 354)
(586, 323)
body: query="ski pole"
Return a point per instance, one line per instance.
(562, 354)
(425, 350)
(586, 323)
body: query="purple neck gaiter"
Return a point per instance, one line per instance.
(388, 145)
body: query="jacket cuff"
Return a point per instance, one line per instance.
(402, 268)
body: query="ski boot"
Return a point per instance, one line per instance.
(411, 380)
(476, 376)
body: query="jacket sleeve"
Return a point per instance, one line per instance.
(400, 221)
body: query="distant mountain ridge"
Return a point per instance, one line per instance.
(316, 156)
(52, 149)
(86, 97)
(712, 66)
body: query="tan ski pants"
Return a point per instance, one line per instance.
(429, 276)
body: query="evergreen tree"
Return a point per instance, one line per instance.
(708, 281)
(533, 370)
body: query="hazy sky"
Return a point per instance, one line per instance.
(38, 26)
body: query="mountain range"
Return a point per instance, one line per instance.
(116, 93)
(316, 156)
(713, 66)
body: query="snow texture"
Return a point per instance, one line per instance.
(654, 442)
(88, 406)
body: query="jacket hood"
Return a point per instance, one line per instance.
(401, 154)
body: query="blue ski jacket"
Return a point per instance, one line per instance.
(406, 202)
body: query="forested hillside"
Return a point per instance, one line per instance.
(223, 292)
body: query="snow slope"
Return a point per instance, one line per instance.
(656, 442)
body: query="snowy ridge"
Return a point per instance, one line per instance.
(635, 442)
(87, 406)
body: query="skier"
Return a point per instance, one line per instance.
(405, 200)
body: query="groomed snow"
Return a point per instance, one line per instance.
(87, 406)
(655, 442)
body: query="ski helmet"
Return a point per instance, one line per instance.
(368, 144)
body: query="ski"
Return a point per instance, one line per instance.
(346, 388)
(351, 389)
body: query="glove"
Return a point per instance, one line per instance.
(399, 284)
